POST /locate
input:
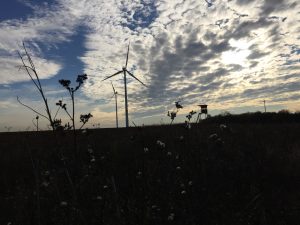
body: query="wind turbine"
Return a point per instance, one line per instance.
(116, 100)
(125, 71)
(264, 101)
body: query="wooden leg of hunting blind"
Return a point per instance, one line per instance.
(198, 118)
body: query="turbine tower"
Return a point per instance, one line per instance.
(264, 101)
(125, 71)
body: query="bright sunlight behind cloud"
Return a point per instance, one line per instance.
(228, 53)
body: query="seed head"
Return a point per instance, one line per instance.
(63, 203)
(171, 217)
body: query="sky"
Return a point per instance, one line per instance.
(228, 54)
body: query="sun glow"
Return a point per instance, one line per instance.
(239, 54)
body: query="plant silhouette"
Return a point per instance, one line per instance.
(71, 90)
(29, 67)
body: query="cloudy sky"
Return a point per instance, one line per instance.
(229, 54)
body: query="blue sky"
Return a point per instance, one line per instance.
(230, 54)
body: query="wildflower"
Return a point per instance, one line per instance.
(190, 115)
(93, 159)
(84, 118)
(60, 103)
(65, 83)
(81, 78)
(161, 144)
(47, 173)
(84, 131)
(63, 203)
(190, 183)
(189, 126)
(45, 184)
(213, 136)
(177, 105)
(178, 168)
(183, 192)
(219, 141)
(105, 187)
(171, 217)
(146, 149)
(172, 115)
(223, 126)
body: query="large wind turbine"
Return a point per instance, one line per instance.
(125, 71)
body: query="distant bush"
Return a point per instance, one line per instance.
(256, 117)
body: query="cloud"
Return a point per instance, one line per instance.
(271, 6)
(11, 72)
(230, 53)
(50, 24)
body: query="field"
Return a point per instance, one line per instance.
(238, 173)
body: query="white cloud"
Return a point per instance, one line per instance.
(48, 25)
(11, 72)
(188, 51)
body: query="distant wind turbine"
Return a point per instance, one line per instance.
(125, 71)
(116, 101)
(264, 101)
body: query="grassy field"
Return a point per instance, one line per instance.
(241, 173)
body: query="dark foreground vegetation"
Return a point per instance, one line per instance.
(233, 173)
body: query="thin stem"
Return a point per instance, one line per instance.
(32, 109)
(37, 83)
(71, 118)
(34, 123)
(27, 70)
(73, 112)
(57, 110)
(56, 113)
(28, 56)
(82, 125)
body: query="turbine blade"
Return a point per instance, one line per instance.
(113, 87)
(113, 75)
(127, 56)
(136, 78)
